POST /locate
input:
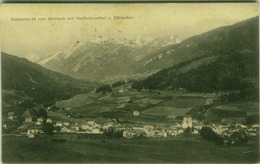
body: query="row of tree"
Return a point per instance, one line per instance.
(236, 138)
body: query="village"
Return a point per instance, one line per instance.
(187, 125)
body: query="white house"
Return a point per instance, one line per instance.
(10, 115)
(136, 113)
(107, 125)
(59, 123)
(5, 126)
(32, 132)
(128, 133)
(49, 120)
(121, 91)
(39, 121)
(91, 123)
(28, 119)
(66, 123)
(85, 126)
(75, 128)
(96, 131)
(64, 129)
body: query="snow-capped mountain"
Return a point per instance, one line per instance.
(103, 58)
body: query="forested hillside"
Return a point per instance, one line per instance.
(42, 85)
(232, 66)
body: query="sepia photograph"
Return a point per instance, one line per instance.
(130, 83)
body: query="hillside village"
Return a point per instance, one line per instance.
(182, 124)
(136, 130)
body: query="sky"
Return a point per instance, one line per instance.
(41, 37)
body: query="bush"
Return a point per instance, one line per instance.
(113, 133)
(238, 138)
(208, 134)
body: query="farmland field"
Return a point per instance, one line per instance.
(171, 112)
(175, 149)
(184, 102)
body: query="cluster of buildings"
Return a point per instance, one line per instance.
(89, 127)
(178, 128)
(229, 129)
(186, 125)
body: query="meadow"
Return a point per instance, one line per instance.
(183, 149)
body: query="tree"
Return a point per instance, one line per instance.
(238, 138)
(104, 89)
(48, 129)
(187, 130)
(118, 83)
(113, 133)
(42, 113)
(208, 134)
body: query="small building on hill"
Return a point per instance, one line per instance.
(136, 113)
(66, 123)
(39, 121)
(28, 119)
(58, 123)
(49, 120)
(10, 115)
(33, 131)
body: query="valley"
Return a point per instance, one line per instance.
(136, 100)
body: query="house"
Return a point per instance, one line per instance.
(31, 133)
(148, 127)
(180, 131)
(197, 125)
(107, 125)
(64, 129)
(10, 115)
(128, 133)
(255, 126)
(49, 120)
(28, 119)
(96, 131)
(66, 123)
(187, 122)
(91, 123)
(39, 121)
(74, 128)
(58, 123)
(121, 91)
(85, 126)
(195, 131)
(176, 125)
(5, 126)
(136, 113)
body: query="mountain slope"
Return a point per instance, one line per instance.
(42, 85)
(104, 59)
(225, 59)
(217, 42)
